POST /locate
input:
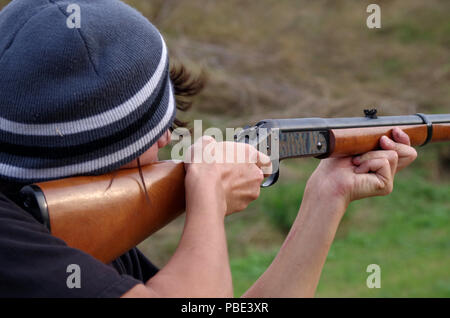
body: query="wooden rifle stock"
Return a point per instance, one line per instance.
(355, 141)
(105, 216)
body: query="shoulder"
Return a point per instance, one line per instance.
(37, 264)
(15, 221)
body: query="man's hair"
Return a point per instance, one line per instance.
(186, 85)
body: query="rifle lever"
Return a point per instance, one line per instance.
(271, 180)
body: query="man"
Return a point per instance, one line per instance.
(96, 97)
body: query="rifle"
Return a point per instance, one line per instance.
(107, 215)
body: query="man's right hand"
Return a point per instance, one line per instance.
(226, 173)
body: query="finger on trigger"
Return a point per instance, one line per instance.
(267, 170)
(264, 163)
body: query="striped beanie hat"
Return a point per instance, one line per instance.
(84, 88)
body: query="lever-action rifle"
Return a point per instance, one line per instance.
(107, 215)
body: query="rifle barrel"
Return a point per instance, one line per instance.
(311, 124)
(338, 137)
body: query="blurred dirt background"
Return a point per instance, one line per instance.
(310, 58)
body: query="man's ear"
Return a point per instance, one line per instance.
(164, 139)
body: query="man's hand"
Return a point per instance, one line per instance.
(226, 172)
(371, 174)
(296, 270)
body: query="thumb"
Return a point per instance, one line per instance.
(196, 151)
(205, 140)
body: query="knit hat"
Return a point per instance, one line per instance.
(79, 99)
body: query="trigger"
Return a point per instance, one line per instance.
(271, 180)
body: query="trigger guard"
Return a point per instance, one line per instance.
(271, 180)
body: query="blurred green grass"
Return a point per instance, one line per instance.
(406, 233)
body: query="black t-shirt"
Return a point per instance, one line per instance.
(33, 263)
